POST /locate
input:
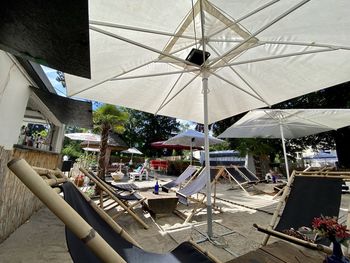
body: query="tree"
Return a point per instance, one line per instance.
(144, 128)
(107, 118)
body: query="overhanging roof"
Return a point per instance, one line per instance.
(67, 111)
(52, 33)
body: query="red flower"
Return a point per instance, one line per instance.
(329, 227)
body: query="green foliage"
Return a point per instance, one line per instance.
(144, 128)
(72, 150)
(110, 116)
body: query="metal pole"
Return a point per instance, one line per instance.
(284, 150)
(206, 148)
(191, 151)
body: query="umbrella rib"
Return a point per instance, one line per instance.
(126, 72)
(311, 44)
(278, 18)
(234, 85)
(244, 17)
(141, 45)
(138, 29)
(246, 82)
(274, 57)
(177, 93)
(111, 78)
(156, 75)
(171, 89)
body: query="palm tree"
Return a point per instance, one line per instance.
(107, 118)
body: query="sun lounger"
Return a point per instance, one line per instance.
(118, 199)
(309, 197)
(190, 171)
(143, 172)
(91, 235)
(237, 177)
(248, 174)
(195, 187)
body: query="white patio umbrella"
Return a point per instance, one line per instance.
(192, 138)
(286, 124)
(132, 151)
(91, 137)
(151, 56)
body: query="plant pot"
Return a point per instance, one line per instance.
(337, 255)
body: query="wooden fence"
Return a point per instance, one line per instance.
(17, 203)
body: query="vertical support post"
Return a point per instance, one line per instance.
(206, 148)
(284, 151)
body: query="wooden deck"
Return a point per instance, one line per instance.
(281, 252)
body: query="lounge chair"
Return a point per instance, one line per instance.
(248, 174)
(308, 197)
(91, 235)
(121, 200)
(194, 187)
(237, 177)
(189, 171)
(142, 172)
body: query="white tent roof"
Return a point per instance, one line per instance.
(294, 122)
(262, 52)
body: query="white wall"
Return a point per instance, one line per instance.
(14, 94)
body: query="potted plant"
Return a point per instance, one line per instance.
(328, 227)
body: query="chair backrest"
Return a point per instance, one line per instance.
(236, 175)
(310, 197)
(189, 171)
(248, 174)
(80, 253)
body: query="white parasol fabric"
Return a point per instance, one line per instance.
(84, 137)
(191, 138)
(132, 150)
(288, 123)
(261, 52)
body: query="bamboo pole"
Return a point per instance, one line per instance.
(126, 208)
(63, 211)
(294, 239)
(279, 207)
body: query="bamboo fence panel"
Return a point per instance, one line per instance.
(17, 203)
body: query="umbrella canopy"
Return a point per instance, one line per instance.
(192, 138)
(88, 149)
(253, 54)
(132, 150)
(90, 137)
(161, 145)
(289, 123)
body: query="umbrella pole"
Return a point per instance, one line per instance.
(206, 147)
(284, 151)
(191, 151)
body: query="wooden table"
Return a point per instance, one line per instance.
(162, 203)
(279, 252)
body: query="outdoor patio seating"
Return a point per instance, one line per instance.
(91, 235)
(139, 173)
(309, 196)
(238, 178)
(194, 187)
(189, 171)
(117, 198)
(248, 174)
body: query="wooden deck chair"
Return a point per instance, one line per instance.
(143, 172)
(248, 174)
(119, 200)
(189, 172)
(305, 197)
(92, 236)
(185, 194)
(237, 177)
